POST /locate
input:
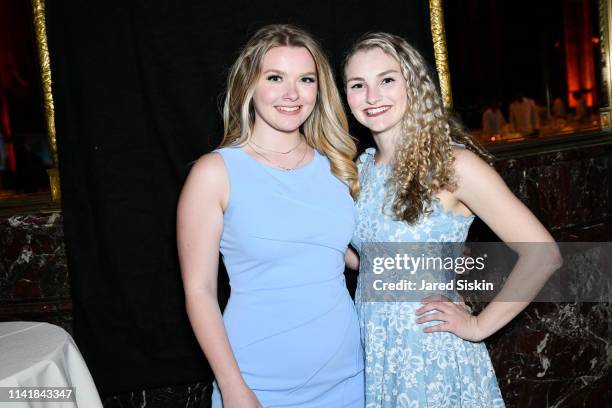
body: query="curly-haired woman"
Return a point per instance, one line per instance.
(424, 182)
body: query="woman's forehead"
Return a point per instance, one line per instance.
(371, 61)
(288, 59)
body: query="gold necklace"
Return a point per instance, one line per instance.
(277, 152)
(278, 165)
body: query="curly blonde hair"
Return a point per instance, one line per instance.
(325, 130)
(423, 161)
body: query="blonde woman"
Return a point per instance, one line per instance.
(421, 185)
(276, 200)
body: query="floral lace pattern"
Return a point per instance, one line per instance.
(406, 368)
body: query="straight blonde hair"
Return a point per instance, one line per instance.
(326, 129)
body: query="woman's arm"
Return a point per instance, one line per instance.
(481, 189)
(199, 227)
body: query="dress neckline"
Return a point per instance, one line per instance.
(371, 158)
(279, 170)
(383, 170)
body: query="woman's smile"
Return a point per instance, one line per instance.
(373, 112)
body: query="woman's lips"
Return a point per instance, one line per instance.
(373, 112)
(289, 110)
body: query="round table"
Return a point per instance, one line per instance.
(34, 354)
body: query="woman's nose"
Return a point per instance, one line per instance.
(291, 92)
(373, 95)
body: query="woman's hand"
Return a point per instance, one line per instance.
(455, 315)
(240, 398)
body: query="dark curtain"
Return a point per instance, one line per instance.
(137, 87)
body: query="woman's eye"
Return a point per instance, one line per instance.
(274, 78)
(388, 80)
(309, 80)
(357, 86)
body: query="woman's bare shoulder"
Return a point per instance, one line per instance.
(208, 179)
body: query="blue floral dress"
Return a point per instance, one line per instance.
(406, 368)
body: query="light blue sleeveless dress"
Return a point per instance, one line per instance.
(290, 320)
(406, 368)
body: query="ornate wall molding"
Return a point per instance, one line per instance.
(40, 30)
(438, 34)
(605, 29)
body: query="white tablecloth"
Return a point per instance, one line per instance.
(36, 354)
